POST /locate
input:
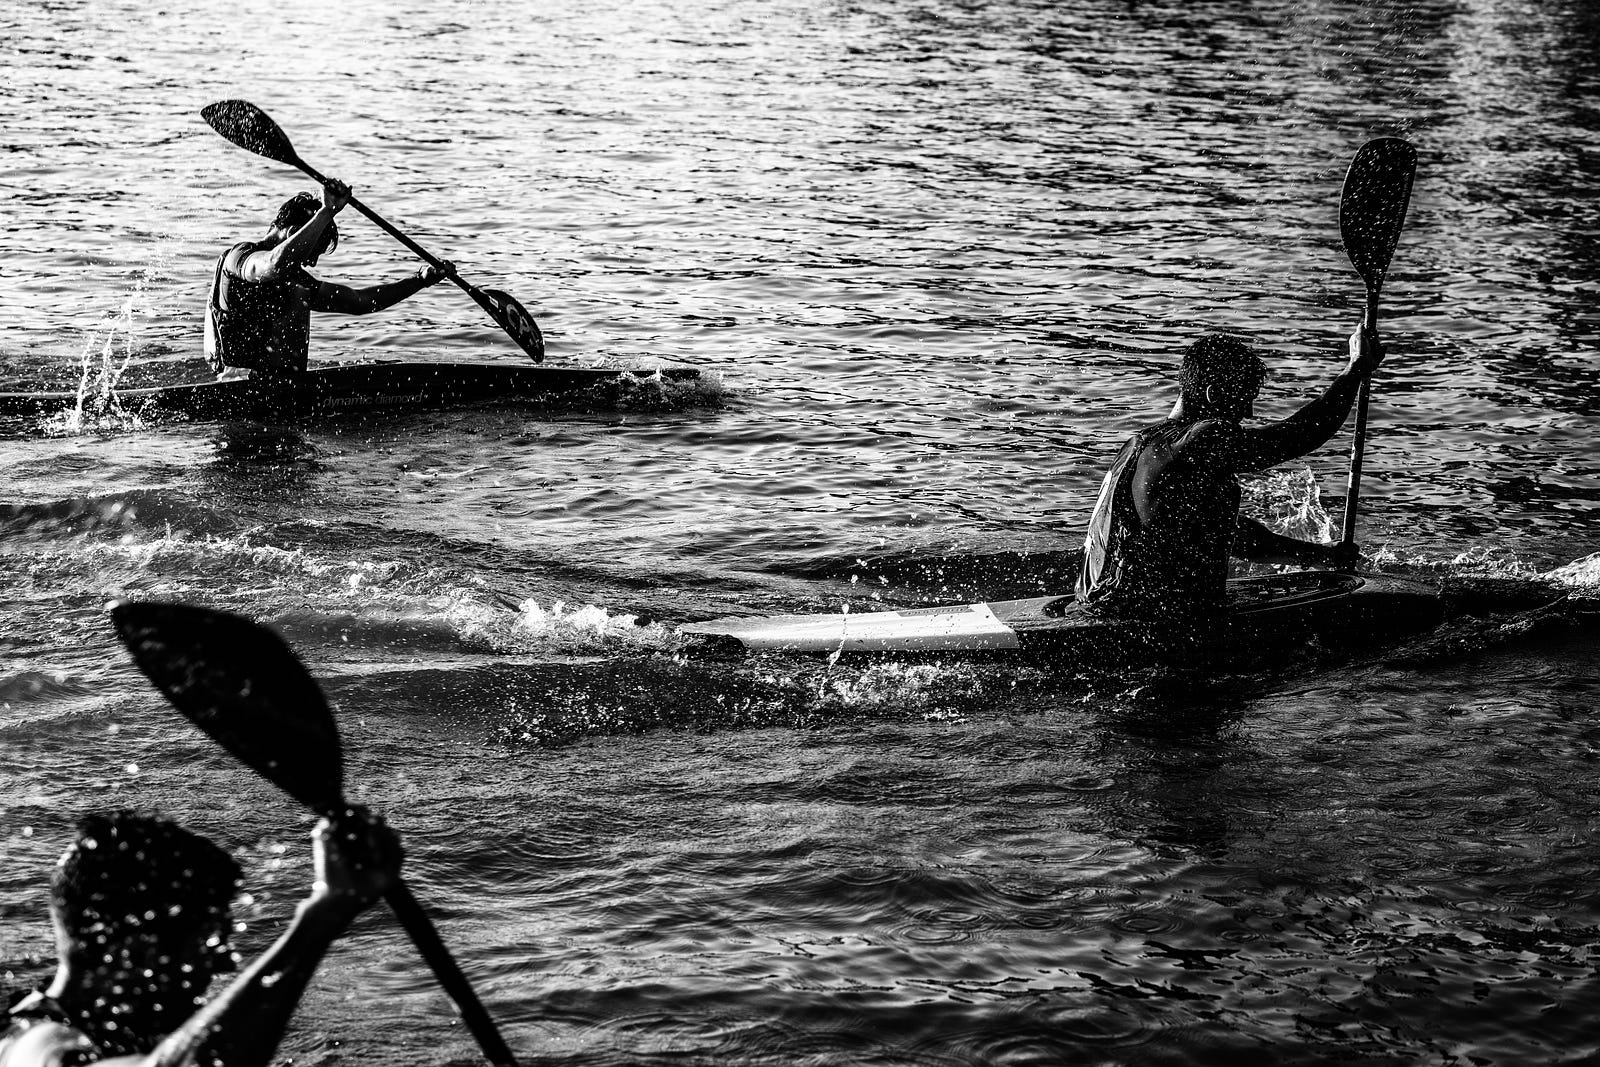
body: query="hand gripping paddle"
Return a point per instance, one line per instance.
(253, 130)
(1372, 210)
(240, 684)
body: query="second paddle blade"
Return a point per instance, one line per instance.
(1372, 209)
(515, 320)
(250, 128)
(238, 682)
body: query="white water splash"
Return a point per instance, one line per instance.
(585, 628)
(316, 596)
(924, 688)
(1479, 561)
(1290, 502)
(97, 406)
(654, 390)
(1580, 573)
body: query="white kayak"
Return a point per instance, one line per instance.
(1340, 609)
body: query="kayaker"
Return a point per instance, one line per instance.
(258, 316)
(141, 909)
(1167, 519)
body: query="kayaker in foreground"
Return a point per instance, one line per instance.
(258, 316)
(141, 909)
(1167, 519)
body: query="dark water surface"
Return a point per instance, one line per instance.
(936, 259)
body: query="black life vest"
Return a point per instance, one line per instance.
(262, 326)
(1178, 566)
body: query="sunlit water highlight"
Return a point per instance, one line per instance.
(936, 261)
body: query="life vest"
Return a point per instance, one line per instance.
(1113, 521)
(1177, 566)
(262, 326)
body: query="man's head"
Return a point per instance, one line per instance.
(1221, 375)
(141, 907)
(296, 212)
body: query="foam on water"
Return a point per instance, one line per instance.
(97, 407)
(579, 629)
(941, 315)
(1580, 573)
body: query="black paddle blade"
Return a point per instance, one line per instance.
(239, 683)
(515, 320)
(1372, 209)
(250, 128)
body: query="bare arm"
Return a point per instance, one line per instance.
(1310, 428)
(300, 247)
(357, 860)
(342, 298)
(1253, 541)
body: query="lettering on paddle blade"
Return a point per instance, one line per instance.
(517, 322)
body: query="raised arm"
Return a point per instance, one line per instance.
(1308, 429)
(300, 247)
(357, 858)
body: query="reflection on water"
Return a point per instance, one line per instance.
(944, 256)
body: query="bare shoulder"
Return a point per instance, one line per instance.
(253, 265)
(1209, 435)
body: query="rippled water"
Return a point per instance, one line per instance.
(935, 260)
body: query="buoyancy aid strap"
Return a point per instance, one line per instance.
(215, 313)
(1113, 517)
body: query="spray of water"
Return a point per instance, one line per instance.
(1290, 502)
(106, 355)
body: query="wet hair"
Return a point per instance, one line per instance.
(1220, 360)
(297, 210)
(128, 873)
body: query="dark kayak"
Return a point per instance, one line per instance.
(1287, 610)
(350, 387)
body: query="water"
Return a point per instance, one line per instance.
(935, 260)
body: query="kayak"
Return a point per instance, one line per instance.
(1329, 608)
(349, 387)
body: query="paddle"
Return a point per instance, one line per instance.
(253, 130)
(1372, 210)
(240, 684)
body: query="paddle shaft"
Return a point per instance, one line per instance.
(1372, 210)
(240, 685)
(426, 938)
(389, 228)
(1352, 490)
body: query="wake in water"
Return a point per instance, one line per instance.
(549, 668)
(657, 392)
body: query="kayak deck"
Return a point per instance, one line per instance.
(350, 387)
(1274, 610)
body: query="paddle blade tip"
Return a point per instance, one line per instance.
(517, 323)
(138, 621)
(250, 128)
(1374, 203)
(1390, 151)
(240, 684)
